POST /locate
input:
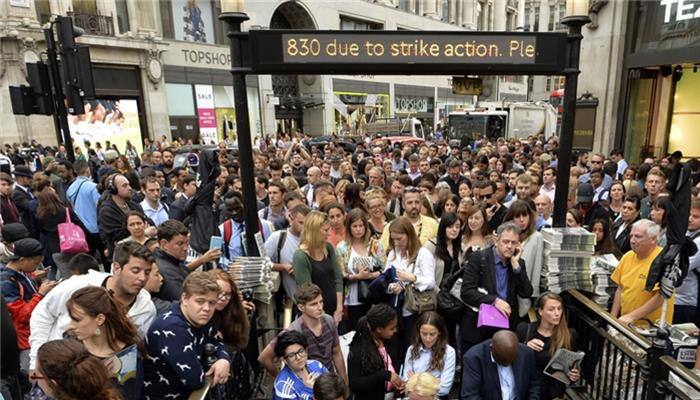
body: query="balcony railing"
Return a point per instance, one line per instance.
(94, 24)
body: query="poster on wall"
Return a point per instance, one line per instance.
(206, 115)
(105, 120)
(193, 20)
(226, 124)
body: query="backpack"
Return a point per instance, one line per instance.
(228, 234)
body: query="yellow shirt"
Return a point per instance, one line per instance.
(631, 276)
(426, 229)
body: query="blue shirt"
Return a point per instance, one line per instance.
(501, 275)
(83, 196)
(507, 380)
(421, 364)
(157, 215)
(236, 247)
(289, 386)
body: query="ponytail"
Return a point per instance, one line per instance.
(73, 373)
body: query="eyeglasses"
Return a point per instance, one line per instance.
(295, 356)
(225, 296)
(36, 376)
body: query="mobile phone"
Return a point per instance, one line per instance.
(516, 252)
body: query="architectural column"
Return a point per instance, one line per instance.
(485, 16)
(452, 12)
(469, 14)
(412, 5)
(430, 8)
(544, 16)
(458, 12)
(520, 25)
(500, 17)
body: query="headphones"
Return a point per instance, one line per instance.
(111, 189)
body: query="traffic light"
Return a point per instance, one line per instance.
(77, 68)
(35, 98)
(38, 77)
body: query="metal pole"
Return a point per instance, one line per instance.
(234, 20)
(61, 114)
(567, 125)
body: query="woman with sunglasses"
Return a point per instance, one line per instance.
(296, 380)
(65, 370)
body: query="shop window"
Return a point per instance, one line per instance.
(85, 7)
(43, 10)
(638, 118)
(166, 18)
(122, 16)
(180, 99)
(352, 24)
(219, 32)
(686, 115)
(189, 20)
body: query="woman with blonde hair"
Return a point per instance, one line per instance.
(401, 256)
(422, 386)
(346, 171)
(290, 183)
(315, 262)
(360, 257)
(375, 202)
(340, 190)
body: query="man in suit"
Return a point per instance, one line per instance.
(495, 275)
(189, 189)
(502, 363)
(24, 198)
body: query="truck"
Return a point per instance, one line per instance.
(509, 120)
(410, 127)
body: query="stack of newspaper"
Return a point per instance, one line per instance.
(253, 274)
(603, 287)
(567, 259)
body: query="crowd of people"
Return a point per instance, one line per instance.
(114, 289)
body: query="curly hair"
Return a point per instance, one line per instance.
(379, 316)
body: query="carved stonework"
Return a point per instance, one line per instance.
(154, 66)
(593, 10)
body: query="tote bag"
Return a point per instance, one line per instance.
(71, 238)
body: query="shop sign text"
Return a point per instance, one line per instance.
(685, 9)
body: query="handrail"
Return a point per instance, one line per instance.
(635, 337)
(681, 371)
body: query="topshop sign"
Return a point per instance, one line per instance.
(680, 10)
(408, 104)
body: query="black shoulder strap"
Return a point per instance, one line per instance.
(280, 244)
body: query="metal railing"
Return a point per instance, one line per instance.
(94, 24)
(619, 362)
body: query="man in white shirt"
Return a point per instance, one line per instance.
(549, 179)
(617, 156)
(130, 271)
(153, 208)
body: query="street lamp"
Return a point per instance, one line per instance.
(234, 16)
(576, 17)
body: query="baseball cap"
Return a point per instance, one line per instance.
(14, 232)
(585, 193)
(28, 247)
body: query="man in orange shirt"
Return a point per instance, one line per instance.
(631, 301)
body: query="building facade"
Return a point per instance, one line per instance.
(162, 67)
(660, 82)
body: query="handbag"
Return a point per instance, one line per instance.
(71, 238)
(449, 304)
(491, 316)
(417, 301)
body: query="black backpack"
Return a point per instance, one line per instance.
(448, 305)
